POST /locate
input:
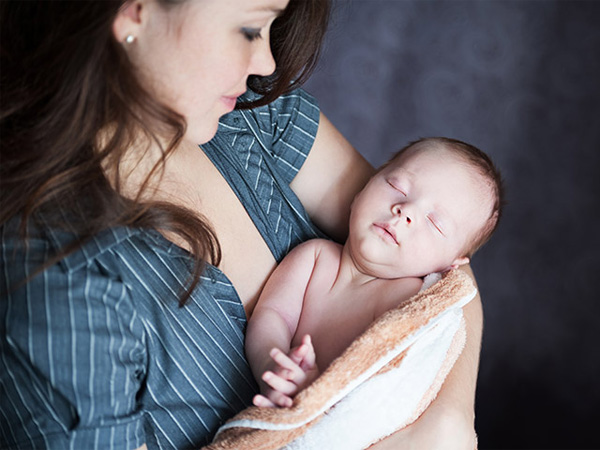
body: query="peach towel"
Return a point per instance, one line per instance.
(380, 384)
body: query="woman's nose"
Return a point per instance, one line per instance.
(263, 63)
(400, 211)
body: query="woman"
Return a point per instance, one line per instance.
(122, 239)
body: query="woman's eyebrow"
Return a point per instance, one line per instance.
(269, 9)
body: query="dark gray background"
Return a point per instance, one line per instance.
(521, 80)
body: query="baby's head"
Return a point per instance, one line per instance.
(482, 169)
(427, 210)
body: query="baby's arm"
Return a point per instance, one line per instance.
(273, 325)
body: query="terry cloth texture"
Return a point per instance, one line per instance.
(380, 384)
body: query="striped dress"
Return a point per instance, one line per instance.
(96, 353)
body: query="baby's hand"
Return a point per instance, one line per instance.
(293, 372)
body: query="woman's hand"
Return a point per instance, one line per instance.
(448, 423)
(439, 428)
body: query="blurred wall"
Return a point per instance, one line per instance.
(521, 80)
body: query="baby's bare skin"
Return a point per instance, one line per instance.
(418, 215)
(339, 303)
(318, 292)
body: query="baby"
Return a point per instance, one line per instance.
(427, 210)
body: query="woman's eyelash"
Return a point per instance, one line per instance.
(251, 33)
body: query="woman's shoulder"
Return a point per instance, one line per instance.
(51, 261)
(280, 134)
(117, 265)
(43, 242)
(297, 108)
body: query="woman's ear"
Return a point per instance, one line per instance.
(127, 23)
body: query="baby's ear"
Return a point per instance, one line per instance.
(460, 262)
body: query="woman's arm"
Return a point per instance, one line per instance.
(327, 183)
(331, 176)
(448, 423)
(72, 355)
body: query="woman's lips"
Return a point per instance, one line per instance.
(386, 232)
(230, 102)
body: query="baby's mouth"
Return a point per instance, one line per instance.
(387, 232)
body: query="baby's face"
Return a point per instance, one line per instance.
(416, 215)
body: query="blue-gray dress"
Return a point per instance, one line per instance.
(96, 353)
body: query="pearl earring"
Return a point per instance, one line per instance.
(130, 38)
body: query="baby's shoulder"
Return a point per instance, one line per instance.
(325, 255)
(405, 287)
(394, 292)
(319, 247)
(327, 250)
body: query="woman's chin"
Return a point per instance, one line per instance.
(202, 136)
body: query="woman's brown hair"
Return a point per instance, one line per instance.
(64, 78)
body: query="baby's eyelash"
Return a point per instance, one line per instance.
(397, 188)
(435, 225)
(251, 33)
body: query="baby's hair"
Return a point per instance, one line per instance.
(484, 166)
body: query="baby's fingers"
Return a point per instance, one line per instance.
(309, 357)
(273, 400)
(281, 400)
(279, 384)
(262, 401)
(287, 367)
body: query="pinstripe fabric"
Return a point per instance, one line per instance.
(271, 145)
(96, 353)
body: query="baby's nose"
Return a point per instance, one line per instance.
(401, 212)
